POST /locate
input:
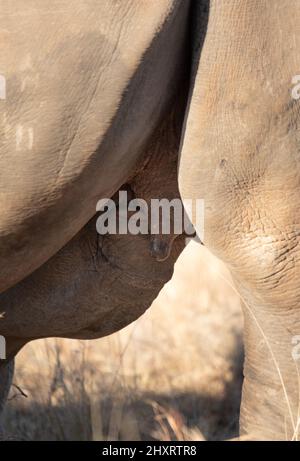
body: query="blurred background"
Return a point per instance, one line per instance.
(174, 374)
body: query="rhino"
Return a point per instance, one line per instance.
(169, 99)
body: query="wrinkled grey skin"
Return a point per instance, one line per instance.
(241, 154)
(87, 85)
(93, 104)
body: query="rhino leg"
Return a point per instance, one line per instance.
(241, 155)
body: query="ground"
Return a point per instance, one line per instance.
(175, 374)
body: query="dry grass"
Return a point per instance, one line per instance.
(175, 374)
